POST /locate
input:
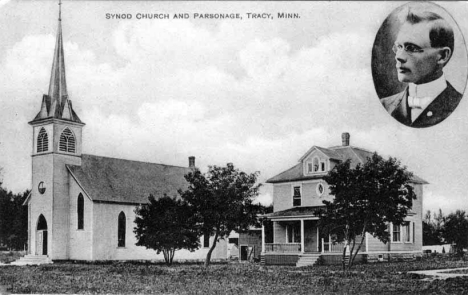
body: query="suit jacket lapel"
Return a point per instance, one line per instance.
(440, 108)
(402, 112)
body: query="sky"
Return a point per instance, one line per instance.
(255, 92)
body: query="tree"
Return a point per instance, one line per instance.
(13, 219)
(222, 200)
(163, 225)
(456, 230)
(367, 198)
(433, 229)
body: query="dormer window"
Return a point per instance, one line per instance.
(316, 166)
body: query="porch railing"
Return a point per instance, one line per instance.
(284, 248)
(329, 247)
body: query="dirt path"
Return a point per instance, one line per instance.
(442, 273)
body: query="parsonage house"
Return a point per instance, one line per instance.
(299, 191)
(81, 206)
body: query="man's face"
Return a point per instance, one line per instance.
(420, 66)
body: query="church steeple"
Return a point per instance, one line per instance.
(56, 103)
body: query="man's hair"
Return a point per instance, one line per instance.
(441, 33)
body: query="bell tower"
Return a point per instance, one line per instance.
(57, 141)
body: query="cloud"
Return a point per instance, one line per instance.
(223, 92)
(3, 2)
(174, 92)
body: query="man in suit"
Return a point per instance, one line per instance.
(424, 45)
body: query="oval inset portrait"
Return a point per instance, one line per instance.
(419, 64)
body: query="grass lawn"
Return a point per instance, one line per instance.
(232, 278)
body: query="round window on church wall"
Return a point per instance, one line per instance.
(41, 187)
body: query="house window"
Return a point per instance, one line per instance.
(80, 211)
(322, 166)
(297, 196)
(316, 165)
(396, 233)
(320, 189)
(67, 141)
(309, 168)
(206, 241)
(121, 230)
(407, 231)
(42, 141)
(293, 233)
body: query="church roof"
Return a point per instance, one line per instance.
(124, 181)
(56, 104)
(341, 153)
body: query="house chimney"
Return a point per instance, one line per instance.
(345, 138)
(191, 161)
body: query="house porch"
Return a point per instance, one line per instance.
(297, 237)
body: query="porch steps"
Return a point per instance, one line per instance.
(307, 259)
(32, 260)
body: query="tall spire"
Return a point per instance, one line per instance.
(58, 85)
(56, 104)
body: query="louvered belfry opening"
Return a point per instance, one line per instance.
(42, 141)
(67, 141)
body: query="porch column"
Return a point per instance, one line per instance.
(263, 238)
(318, 239)
(302, 236)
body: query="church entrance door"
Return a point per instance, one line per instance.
(41, 236)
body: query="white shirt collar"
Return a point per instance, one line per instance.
(431, 89)
(425, 93)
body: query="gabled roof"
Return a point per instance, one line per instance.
(328, 152)
(124, 181)
(337, 153)
(294, 174)
(355, 154)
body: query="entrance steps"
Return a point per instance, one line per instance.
(308, 259)
(32, 260)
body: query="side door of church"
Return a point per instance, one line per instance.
(41, 242)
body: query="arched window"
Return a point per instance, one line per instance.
(42, 141)
(80, 211)
(121, 230)
(67, 141)
(316, 165)
(41, 223)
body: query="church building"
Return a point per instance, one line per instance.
(81, 206)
